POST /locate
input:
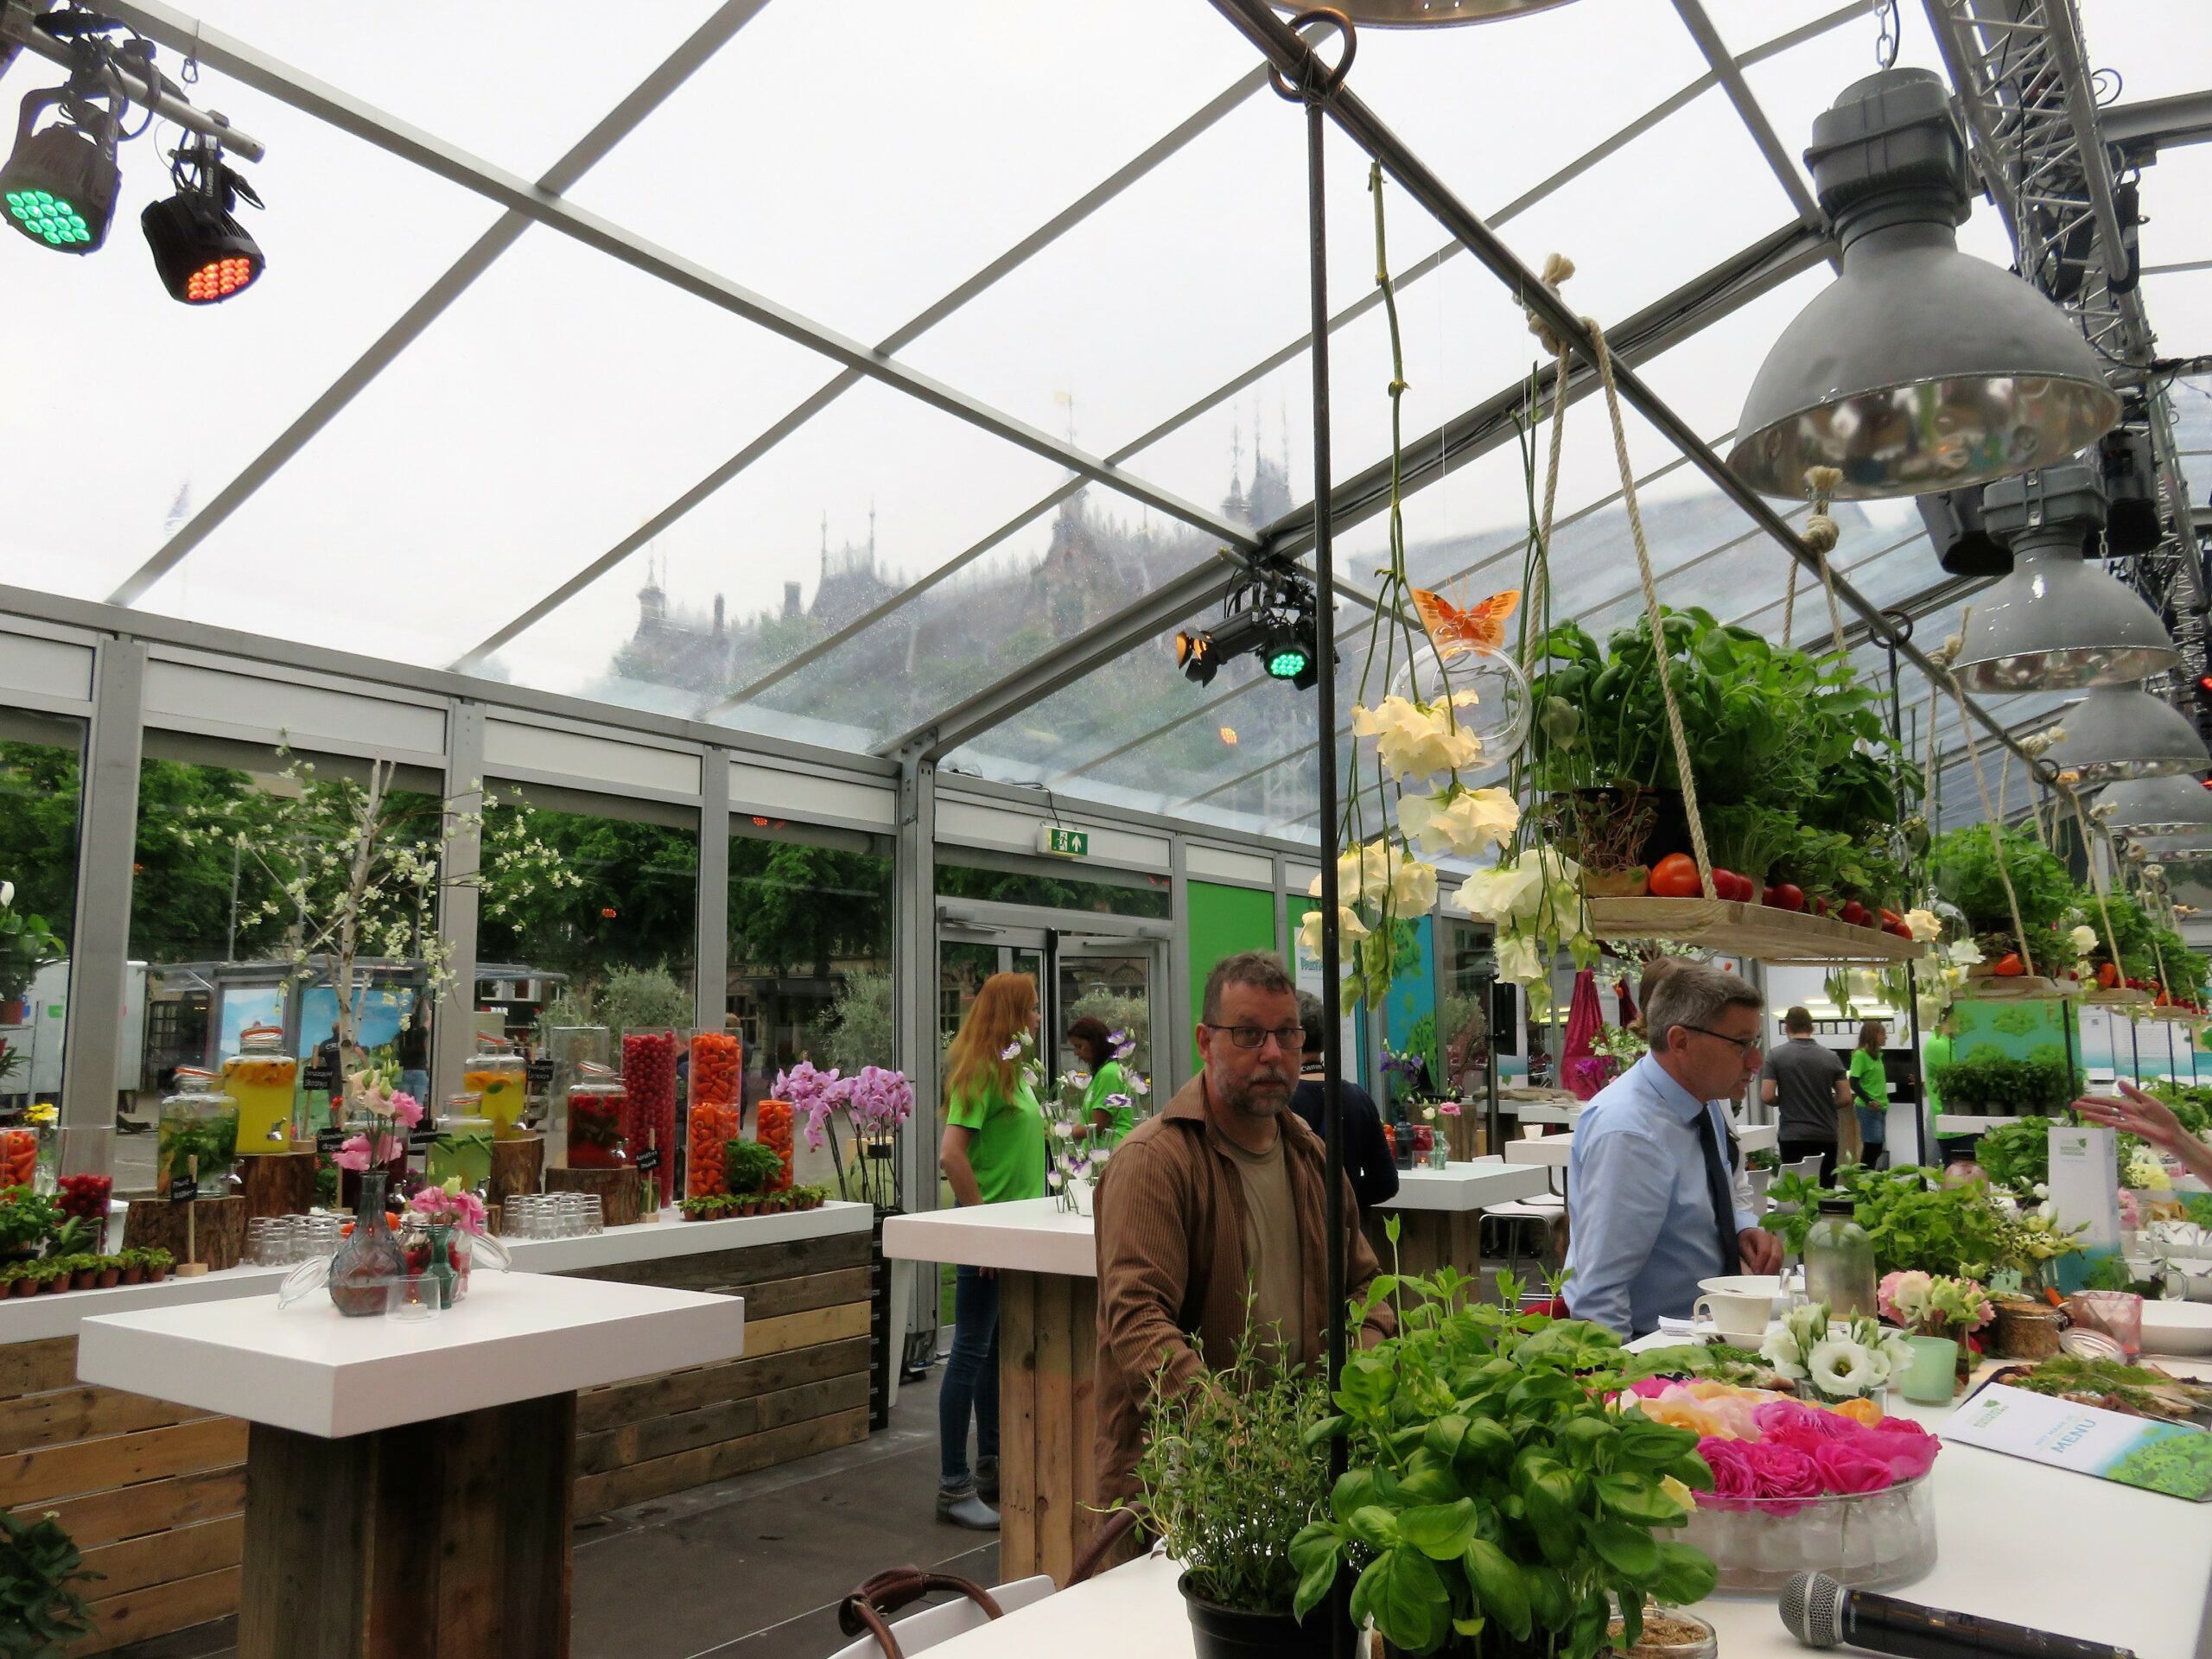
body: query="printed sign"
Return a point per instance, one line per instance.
(1062, 843)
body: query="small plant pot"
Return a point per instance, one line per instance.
(154, 1275)
(110, 1277)
(133, 1274)
(1218, 1632)
(23, 1288)
(54, 1286)
(85, 1279)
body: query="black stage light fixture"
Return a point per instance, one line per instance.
(1270, 613)
(60, 182)
(203, 254)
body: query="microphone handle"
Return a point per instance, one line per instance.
(1903, 1628)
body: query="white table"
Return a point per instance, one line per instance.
(2133, 1572)
(1554, 1150)
(412, 1476)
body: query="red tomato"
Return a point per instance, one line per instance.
(1819, 906)
(1855, 913)
(2009, 966)
(1675, 877)
(1783, 895)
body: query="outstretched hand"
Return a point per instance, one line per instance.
(2137, 1113)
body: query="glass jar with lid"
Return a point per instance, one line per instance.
(597, 1103)
(264, 1080)
(1839, 1263)
(498, 1076)
(463, 1147)
(199, 1120)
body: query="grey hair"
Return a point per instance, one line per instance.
(1261, 968)
(1695, 994)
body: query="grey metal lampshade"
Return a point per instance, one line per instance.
(2056, 623)
(1428, 14)
(1920, 367)
(2122, 731)
(2146, 808)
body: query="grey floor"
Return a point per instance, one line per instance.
(745, 1568)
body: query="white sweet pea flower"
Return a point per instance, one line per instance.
(1413, 887)
(1350, 930)
(1363, 873)
(1517, 960)
(1415, 741)
(1925, 925)
(1463, 823)
(2082, 939)
(1964, 953)
(1504, 891)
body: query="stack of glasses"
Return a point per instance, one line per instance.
(551, 1214)
(282, 1241)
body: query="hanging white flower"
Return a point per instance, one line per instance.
(1350, 930)
(1518, 960)
(1363, 874)
(2083, 938)
(1504, 891)
(1413, 887)
(1462, 822)
(1964, 953)
(1419, 741)
(1925, 925)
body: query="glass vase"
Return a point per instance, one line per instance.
(370, 1258)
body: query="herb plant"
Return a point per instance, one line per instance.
(1491, 1494)
(1965, 865)
(748, 1166)
(40, 1613)
(1995, 1085)
(27, 1217)
(1918, 1225)
(2016, 1156)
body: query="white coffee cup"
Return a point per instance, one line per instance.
(1740, 1304)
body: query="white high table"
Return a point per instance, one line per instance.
(1552, 1151)
(1046, 1261)
(2133, 1570)
(408, 1484)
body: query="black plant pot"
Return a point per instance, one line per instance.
(1671, 827)
(1218, 1632)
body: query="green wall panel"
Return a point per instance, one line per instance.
(1221, 922)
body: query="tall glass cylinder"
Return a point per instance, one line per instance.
(264, 1082)
(649, 1074)
(196, 1122)
(1839, 1263)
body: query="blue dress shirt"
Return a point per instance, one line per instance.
(1642, 1231)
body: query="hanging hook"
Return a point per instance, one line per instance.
(1319, 80)
(1886, 42)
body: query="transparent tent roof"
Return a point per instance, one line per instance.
(617, 448)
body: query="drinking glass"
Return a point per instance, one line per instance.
(1931, 1375)
(2118, 1313)
(412, 1297)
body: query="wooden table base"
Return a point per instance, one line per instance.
(441, 1540)
(1427, 1240)
(1048, 1423)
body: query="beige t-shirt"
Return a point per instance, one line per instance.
(1271, 1249)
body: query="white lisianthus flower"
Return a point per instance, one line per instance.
(1781, 1350)
(2083, 939)
(1841, 1366)
(1350, 931)
(1924, 924)
(1964, 953)
(1415, 741)
(1363, 873)
(1504, 891)
(1463, 823)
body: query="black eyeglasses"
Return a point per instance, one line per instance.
(1289, 1039)
(1742, 1044)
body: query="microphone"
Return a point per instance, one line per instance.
(1820, 1613)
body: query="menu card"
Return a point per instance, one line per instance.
(2168, 1457)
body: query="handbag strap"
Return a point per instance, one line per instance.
(869, 1610)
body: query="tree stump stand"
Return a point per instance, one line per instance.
(277, 1183)
(620, 1191)
(517, 1166)
(219, 1227)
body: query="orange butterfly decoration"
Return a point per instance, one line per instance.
(1453, 631)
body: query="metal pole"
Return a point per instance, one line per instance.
(1292, 56)
(19, 28)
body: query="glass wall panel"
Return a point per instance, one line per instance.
(42, 762)
(1015, 883)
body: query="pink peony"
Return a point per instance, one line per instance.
(1782, 1472)
(1845, 1466)
(1733, 1484)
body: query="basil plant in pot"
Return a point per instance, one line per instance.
(1229, 1470)
(1499, 1503)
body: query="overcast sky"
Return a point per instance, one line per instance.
(854, 167)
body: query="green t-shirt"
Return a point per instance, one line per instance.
(1110, 1080)
(1934, 1052)
(1866, 1074)
(1008, 1154)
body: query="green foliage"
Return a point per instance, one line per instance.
(2191, 1104)
(748, 1166)
(857, 1030)
(1491, 1488)
(627, 999)
(39, 790)
(27, 944)
(28, 1218)
(1996, 1085)
(1917, 1225)
(2016, 1156)
(797, 908)
(41, 1612)
(1228, 1471)
(635, 903)
(1965, 865)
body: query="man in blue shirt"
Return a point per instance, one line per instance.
(1649, 1192)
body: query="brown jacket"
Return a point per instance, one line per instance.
(1170, 1218)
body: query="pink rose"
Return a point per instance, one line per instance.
(1845, 1467)
(1651, 1388)
(1782, 1472)
(1908, 1449)
(1786, 1422)
(1733, 1481)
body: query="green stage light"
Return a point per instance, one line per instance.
(1288, 662)
(60, 185)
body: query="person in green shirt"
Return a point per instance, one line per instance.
(1870, 1085)
(1107, 1098)
(992, 1152)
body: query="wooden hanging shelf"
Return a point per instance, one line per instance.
(2020, 987)
(2176, 1016)
(1756, 930)
(2120, 998)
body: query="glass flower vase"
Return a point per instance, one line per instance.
(370, 1258)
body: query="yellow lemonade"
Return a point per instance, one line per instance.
(498, 1079)
(263, 1083)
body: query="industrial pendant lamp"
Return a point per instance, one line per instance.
(2056, 623)
(1919, 368)
(1428, 14)
(2122, 731)
(2145, 807)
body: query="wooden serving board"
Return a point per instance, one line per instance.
(1756, 930)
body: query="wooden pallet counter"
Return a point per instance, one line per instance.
(1759, 931)
(154, 1493)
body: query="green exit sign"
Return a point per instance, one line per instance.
(1066, 844)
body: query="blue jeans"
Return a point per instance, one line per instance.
(1873, 1126)
(971, 1375)
(417, 1083)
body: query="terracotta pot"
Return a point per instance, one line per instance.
(154, 1275)
(85, 1279)
(110, 1277)
(22, 1287)
(54, 1286)
(133, 1274)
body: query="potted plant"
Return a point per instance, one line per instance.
(11, 1278)
(28, 1217)
(133, 1263)
(158, 1264)
(1996, 1085)
(110, 1271)
(40, 1564)
(1970, 867)
(1495, 1502)
(1229, 1471)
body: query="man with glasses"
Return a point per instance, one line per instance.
(1649, 1192)
(1217, 1200)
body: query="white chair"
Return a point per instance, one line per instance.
(1541, 1210)
(1805, 1168)
(917, 1632)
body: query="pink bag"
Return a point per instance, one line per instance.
(1585, 1072)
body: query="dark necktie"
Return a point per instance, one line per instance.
(1722, 1191)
